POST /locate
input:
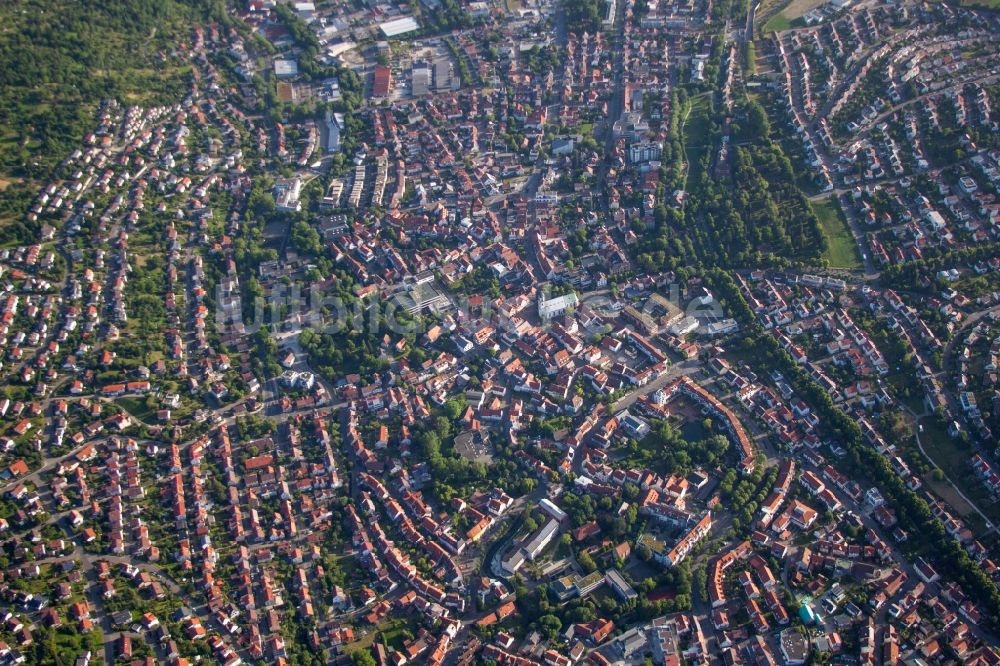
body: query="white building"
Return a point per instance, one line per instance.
(305, 10)
(686, 325)
(513, 562)
(286, 69)
(549, 507)
(399, 26)
(621, 587)
(721, 327)
(286, 194)
(645, 151)
(873, 498)
(541, 540)
(333, 125)
(555, 307)
(935, 220)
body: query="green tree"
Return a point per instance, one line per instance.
(549, 625)
(362, 658)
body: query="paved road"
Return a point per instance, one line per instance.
(748, 29)
(982, 80)
(947, 362)
(617, 104)
(969, 322)
(672, 373)
(990, 527)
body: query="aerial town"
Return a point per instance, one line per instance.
(503, 333)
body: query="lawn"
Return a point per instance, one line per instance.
(390, 629)
(348, 565)
(694, 431)
(841, 251)
(138, 408)
(394, 635)
(65, 644)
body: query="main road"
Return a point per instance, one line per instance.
(617, 104)
(676, 371)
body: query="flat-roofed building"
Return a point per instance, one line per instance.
(285, 68)
(399, 26)
(421, 81)
(620, 586)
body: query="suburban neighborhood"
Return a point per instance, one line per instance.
(514, 332)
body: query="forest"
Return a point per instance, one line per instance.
(755, 216)
(59, 63)
(61, 59)
(583, 16)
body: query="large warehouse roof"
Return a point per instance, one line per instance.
(400, 26)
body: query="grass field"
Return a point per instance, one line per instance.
(798, 8)
(695, 137)
(777, 23)
(791, 15)
(390, 630)
(138, 408)
(953, 458)
(842, 252)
